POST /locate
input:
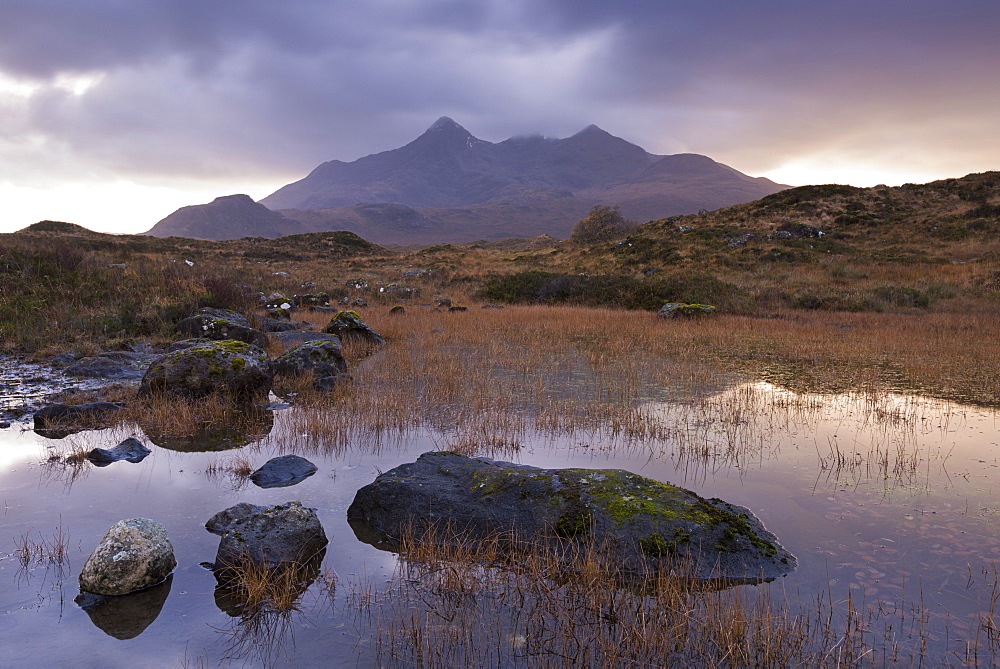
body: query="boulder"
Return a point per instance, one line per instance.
(643, 523)
(70, 415)
(675, 309)
(283, 471)
(265, 324)
(228, 366)
(294, 337)
(133, 555)
(131, 450)
(347, 324)
(219, 324)
(320, 358)
(398, 310)
(267, 536)
(328, 383)
(111, 365)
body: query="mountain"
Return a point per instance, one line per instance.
(450, 186)
(227, 217)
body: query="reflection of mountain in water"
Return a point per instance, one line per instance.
(125, 616)
(239, 430)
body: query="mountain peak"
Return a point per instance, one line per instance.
(445, 124)
(593, 130)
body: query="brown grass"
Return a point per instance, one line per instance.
(469, 604)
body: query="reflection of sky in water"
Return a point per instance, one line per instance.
(911, 508)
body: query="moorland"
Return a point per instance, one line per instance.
(878, 293)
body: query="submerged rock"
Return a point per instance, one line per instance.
(131, 450)
(228, 366)
(640, 521)
(283, 471)
(346, 324)
(219, 324)
(134, 554)
(268, 536)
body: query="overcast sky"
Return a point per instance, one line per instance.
(113, 114)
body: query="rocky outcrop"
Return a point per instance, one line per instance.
(131, 450)
(229, 366)
(347, 324)
(134, 554)
(675, 309)
(642, 522)
(267, 536)
(219, 324)
(320, 358)
(283, 471)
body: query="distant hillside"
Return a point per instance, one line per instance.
(449, 186)
(227, 217)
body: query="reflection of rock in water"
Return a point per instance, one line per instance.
(125, 616)
(288, 582)
(241, 429)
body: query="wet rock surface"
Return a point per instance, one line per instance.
(125, 365)
(268, 536)
(283, 471)
(130, 450)
(133, 555)
(66, 416)
(643, 523)
(228, 366)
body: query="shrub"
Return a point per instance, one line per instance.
(602, 224)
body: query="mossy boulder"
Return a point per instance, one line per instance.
(348, 324)
(228, 366)
(267, 536)
(220, 324)
(319, 358)
(644, 523)
(676, 309)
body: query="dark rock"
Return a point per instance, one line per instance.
(319, 358)
(492, 306)
(111, 365)
(219, 324)
(359, 302)
(292, 338)
(131, 450)
(283, 471)
(90, 414)
(398, 310)
(125, 616)
(641, 522)
(800, 230)
(228, 366)
(134, 554)
(267, 536)
(328, 383)
(266, 324)
(443, 302)
(347, 324)
(457, 309)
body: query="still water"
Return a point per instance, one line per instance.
(882, 498)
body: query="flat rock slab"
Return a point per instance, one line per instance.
(283, 471)
(643, 523)
(131, 450)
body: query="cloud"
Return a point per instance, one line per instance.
(154, 90)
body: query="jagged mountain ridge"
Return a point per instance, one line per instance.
(450, 186)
